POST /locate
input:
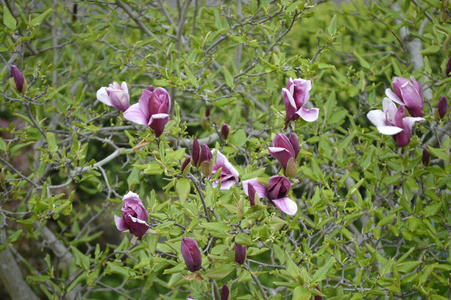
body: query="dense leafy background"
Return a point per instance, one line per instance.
(372, 220)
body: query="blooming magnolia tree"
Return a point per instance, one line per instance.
(244, 155)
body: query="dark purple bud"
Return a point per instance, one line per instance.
(240, 254)
(442, 107)
(295, 143)
(318, 297)
(448, 67)
(205, 154)
(20, 84)
(251, 191)
(186, 166)
(196, 153)
(426, 157)
(206, 160)
(225, 131)
(207, 112)
(191, 254)
(225, 292)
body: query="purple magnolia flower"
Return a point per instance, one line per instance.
(295, 97)
(229, 175)
(392, 121)
(19, 82)
(115, 95)
(407, 93)
(191, 254)
(277, 192)
(134, 215)
(152, 110)
(240, 254)
(285, 151)
(225, 292)
(442, 107)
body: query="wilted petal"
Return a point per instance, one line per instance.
(157, 123)
(308, 114)
(135, 115)
(259, 188)
(191, 254)
(286, 205)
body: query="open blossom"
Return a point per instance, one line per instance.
(19, 82)
(276, 191)
(191, 254)
(407, 93)
(134, 215)
(285, 151)
(115, 95)
(152, 110)
(229, 175)
(295, 96)
(392, 121)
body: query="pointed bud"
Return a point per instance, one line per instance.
(318, 297)
(441, 108)
(448, 67)
(186, 166)
(191, 254)
(196, 153)
(207, 112)
(240, 254)
(225, 292)
(292, 168)
(225, 131)
(206, 160)
(426, 157)
(19, 82)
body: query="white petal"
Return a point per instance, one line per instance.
(286, 205)
(377, 117)
(103, 97)
(390, 94)
(389, 130)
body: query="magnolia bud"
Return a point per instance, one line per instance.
(206, 160)
(426, 157)
(240, 254)
(448, 67)
(207, 112)
(19, 82)
(196, 153)
(191, 254)
(292, 168)
(225, 131)
(186, 166)
(225, 292)
(441, 108)
(318, 297)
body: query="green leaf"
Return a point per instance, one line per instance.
(301, 293)
(183, 188)
(218, 229)
(219, 273)
(8, 18)
(39, 19)
(337, 116)
(2, 145)
(408, 266)
(190, 75)
(440, 153)
(322, 272)
(243, 239)
(113, 267)
(51, 140)
(238, 138)
(332, 28)
(430, 50)
(80, 259)
(228, 78)
(362, 61)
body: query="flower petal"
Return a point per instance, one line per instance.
(157, 123)
(103, 97)
(120, 224)
(389, 130)
(290, 105)
(390, 94)
(309, 115)
(281, 154)
(135, 115)
(259, 188)
(286, 205)
(377, 117)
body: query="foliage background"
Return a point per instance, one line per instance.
(373, 222)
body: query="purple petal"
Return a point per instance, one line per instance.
(259, 188)
(135, 115)
(157, 123)
(160, 102)
(120, 224)
(286, 205)
(144, 103)
(393, 96)
(295, 144)
(196, 152)
(281, 141)
(290, 105)
(279, 186)
(300, 91)
(281, 154)
(223, 162)
(191, 254)
(309, 115)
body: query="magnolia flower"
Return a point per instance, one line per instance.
(240, 254)
(392, 121)
(407, 93)
(191, 254)
(225, 292)
(152, 110)
(229, 175)
(441, 108)
(134, 215)
(115, 95)
(202, 158)
(19, 82)
(285, 151)
(295, 97)
(277, 192)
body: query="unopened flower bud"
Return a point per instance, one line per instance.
(448, 67)
(441, 108)
(206, 160)
(225, 292)
(426, 157)
(186, 166)
(225, 131)
(240, 254)
(292, 168)
(207, 112)
(19, 82)
(196, 153)
(191, 254)
(318, 297)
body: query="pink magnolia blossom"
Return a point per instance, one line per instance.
(407, 93)
(392, 121)
(134, 215)
(191, 254)
(115, 95)
(277, 192)
(295, 96)
(152, 110)
(229, 175)
(285, 151)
